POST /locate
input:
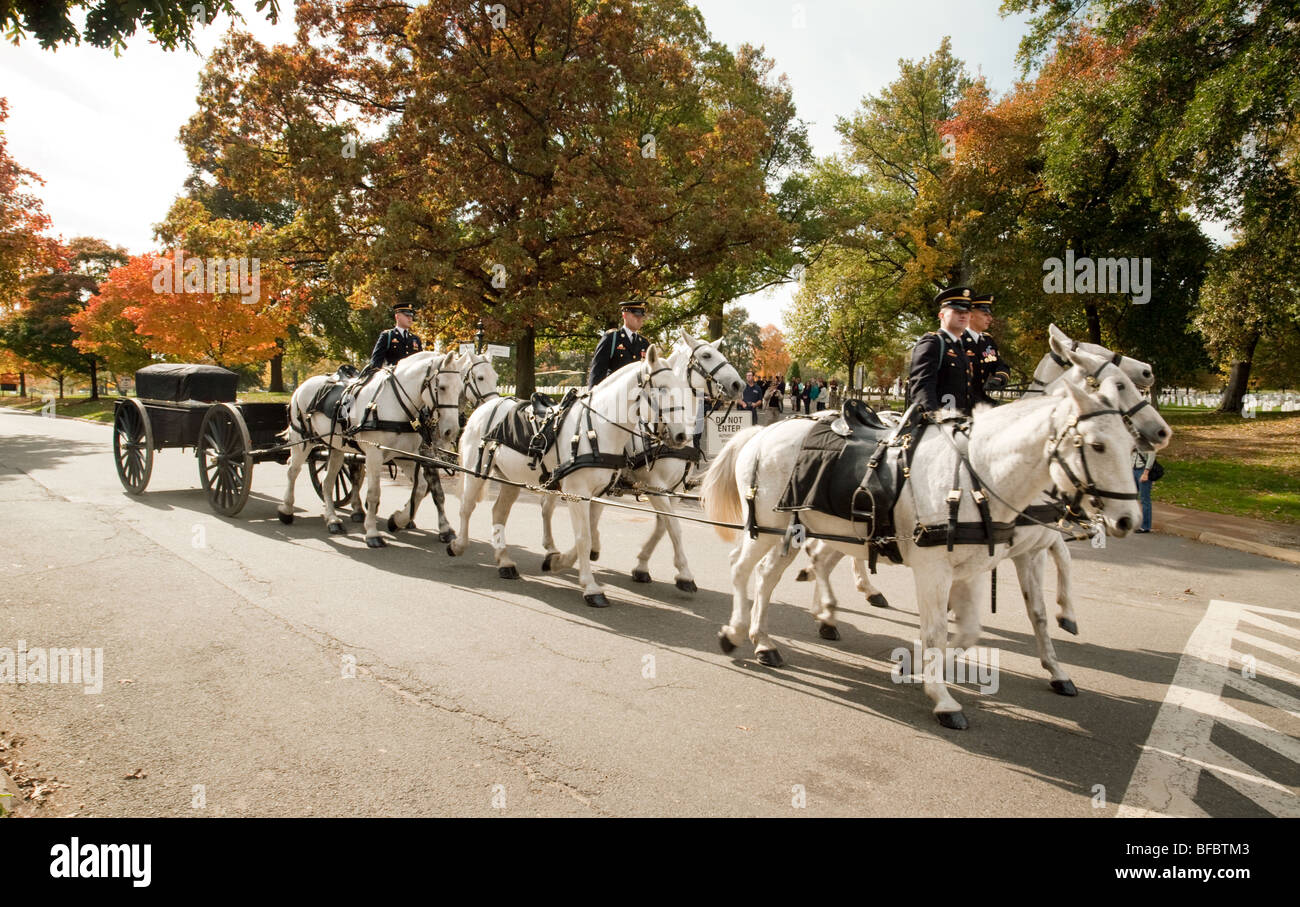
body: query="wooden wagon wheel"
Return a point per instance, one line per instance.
(225, 458)
(344, 482)
(132, 444)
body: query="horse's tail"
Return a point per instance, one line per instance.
(719, 493)
(291, 432)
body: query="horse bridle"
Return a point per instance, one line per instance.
(710, 382)
(1087, 486)
(426, 385)
(1094, 381)
(658, 421)
(471, 381)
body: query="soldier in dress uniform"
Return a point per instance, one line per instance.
(396, 343)
(991, 372)
(620, 346)
(943, 361)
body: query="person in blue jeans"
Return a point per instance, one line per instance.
(1142, 463)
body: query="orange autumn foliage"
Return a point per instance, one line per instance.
(221, 328)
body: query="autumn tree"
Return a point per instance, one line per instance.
(529, 163)
(24, 249)
(770, 355)
(172, 303)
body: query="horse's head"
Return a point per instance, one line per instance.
(1139, 372)
(707, 370)
(1112, 384)
(479, 378)
(441, 391)
(1090, 457)
(666, 401)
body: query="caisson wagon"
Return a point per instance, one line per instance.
(194, 406)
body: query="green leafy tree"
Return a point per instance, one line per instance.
(108, 23)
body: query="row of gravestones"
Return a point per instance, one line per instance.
(1263, 403)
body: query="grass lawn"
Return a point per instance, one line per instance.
(1226, 464)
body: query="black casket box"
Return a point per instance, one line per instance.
(176, 382)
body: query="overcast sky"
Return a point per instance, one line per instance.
(102, 130)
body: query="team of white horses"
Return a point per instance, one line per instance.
(1070, 437)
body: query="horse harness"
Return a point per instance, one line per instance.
(532, 429)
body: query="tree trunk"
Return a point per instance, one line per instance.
(277, 373)
(60, 385)
(94, 379)
(1239, 377)
(22, 384)
(1156, 389)
(1094, 322)
(716, 323)
(848, 385)
(526, 363)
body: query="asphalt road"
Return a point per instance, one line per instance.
(226, 643)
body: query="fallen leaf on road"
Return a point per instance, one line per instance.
(138, 773)
(743, 728)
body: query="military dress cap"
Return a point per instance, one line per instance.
(634, 306)
(955, 297)
(982, 303)
(403, 308)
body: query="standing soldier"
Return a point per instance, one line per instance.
(396, 343)
(621, 346)
(943, 363)
(991, 371)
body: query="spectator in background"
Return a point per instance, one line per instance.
(814, 391)
(1143, 461)
(805, 391)
(822, 393)
(752, 396)
(778, 393)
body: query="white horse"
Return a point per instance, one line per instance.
(1153, 433)
(709, 374)
(1030, 543)
(1017, 450)
(479, 381)
(423, 386)
(646, 392)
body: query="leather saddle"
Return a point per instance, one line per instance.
(856, 476)
(530, 426)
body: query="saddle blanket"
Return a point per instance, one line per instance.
(832, 474)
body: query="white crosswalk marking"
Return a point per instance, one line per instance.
(1178, 749)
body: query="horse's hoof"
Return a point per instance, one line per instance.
(376, 542)
(803, 575)
(878, 601)
(548, 560)
(771, 658)
(954, 721)
(640, 576)
(286, 518)
(336, 528)
(595, 555)
(827, 631)
(1068, 625)
(511, 572)
(597, 601)
(451, 552)
(447, 536)
(392, 525)
(687, 585)
(725, 643)
(1065, 687)
(358, 516)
